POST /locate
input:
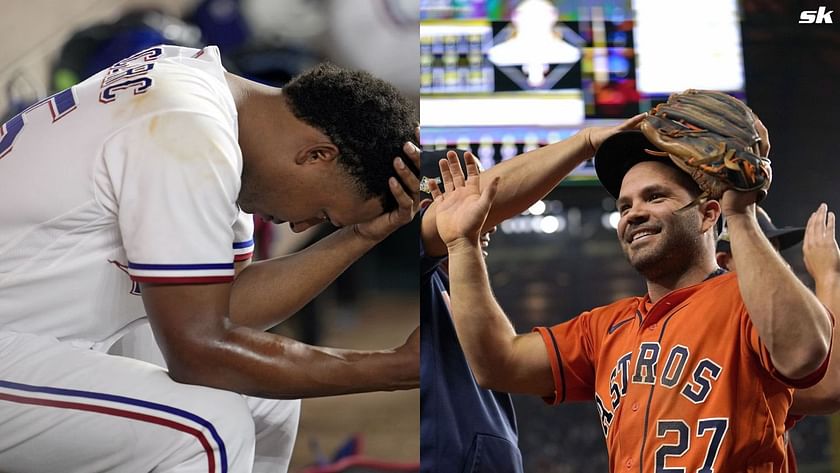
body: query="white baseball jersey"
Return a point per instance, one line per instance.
(130, 176)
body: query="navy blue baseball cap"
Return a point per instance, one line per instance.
(619, 153)
(786, 236)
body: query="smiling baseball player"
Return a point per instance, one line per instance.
(698, 374)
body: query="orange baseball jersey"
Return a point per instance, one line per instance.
(682, 385)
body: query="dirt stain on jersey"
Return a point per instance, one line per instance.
(153, 124)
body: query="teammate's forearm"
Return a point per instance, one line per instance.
(525, 179)
(824, 397)
(268, 292)
(486, 335)
(531, 176)
(261, 364)
(498, 358)
(827, 289)
(791, 322)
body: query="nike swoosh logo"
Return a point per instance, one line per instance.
(618, 325)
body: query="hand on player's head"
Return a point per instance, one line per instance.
(408, 176)
(463, 208)
(595, 136)
(407, 195)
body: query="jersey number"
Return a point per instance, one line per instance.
(717, 426)
(121, 76)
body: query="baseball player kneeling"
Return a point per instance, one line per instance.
(127, 201)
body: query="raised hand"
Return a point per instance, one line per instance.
(463, 208)
(408, 202)
(820, 251)
(595, 136)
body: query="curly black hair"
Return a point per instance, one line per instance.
(365, 117)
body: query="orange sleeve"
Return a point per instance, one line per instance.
(553, 353)
(569, 349)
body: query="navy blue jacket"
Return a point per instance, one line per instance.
(464, 428)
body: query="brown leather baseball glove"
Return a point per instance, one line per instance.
(713, 137)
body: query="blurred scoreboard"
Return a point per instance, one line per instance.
(502, 77)
(453, 58)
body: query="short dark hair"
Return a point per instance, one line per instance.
(365, 117)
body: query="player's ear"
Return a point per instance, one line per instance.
(317, 153)
(710, 212)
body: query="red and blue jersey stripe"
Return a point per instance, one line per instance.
(125, 407)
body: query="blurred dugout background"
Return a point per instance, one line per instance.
(49, 45)
(561, 257)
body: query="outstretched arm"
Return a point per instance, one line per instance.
(528, 178)
(792, 323)
(822, 260)
(202, 346)
(499, 358)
